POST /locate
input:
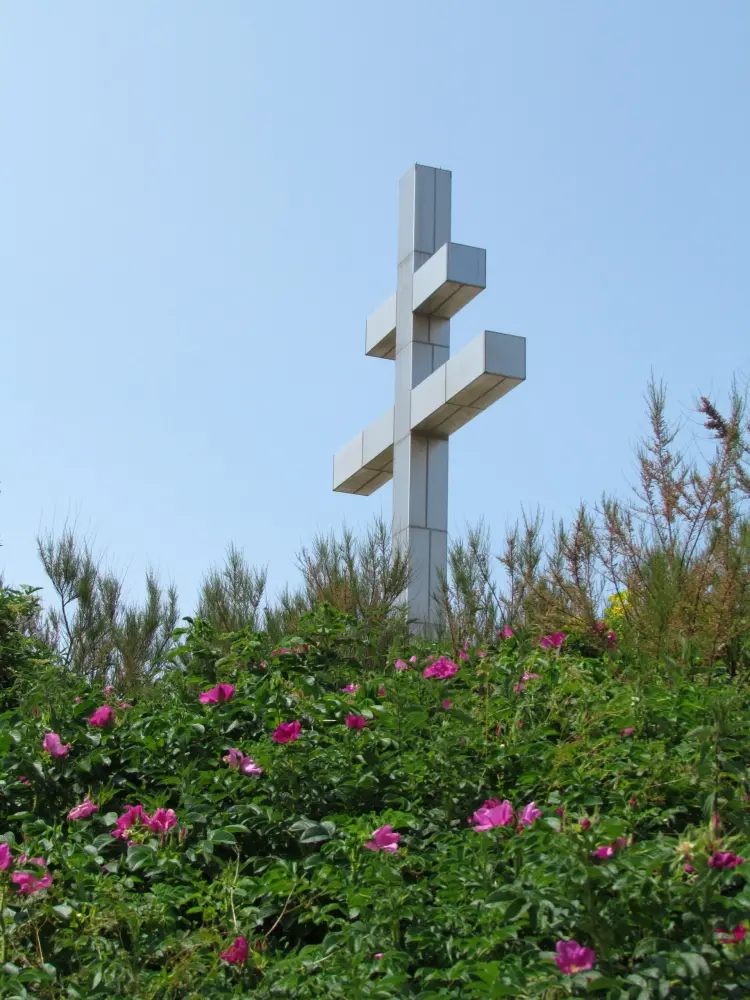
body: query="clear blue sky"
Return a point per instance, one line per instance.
(198, 212)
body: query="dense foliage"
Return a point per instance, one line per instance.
(624, 829)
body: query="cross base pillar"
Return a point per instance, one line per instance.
(420, 523)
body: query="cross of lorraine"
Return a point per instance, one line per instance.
(434, 394)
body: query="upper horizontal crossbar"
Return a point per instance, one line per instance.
(450, 278)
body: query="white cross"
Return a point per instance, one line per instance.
(435, 394)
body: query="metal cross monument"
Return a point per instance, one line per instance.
(435, 394)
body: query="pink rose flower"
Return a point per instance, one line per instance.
(605, 851)
(384, 839)
(131, 816)
(572, 957)
(412, 659)
(162, 820)
(217, 695)
(27, 884)
(287, 732)
(521, 686)
(608, 850)
(528, 814)
(84, 810)
(6, 858)
(731, 937)
(506, 632)
(400, 665)
(492, 813)
(236, 953)
(102, 717)
(441, 668)
(248, 767)
(51, 743)
(244, 764)
(447, 704)
(356, 722)
(627, 732)
(351, 688)
(585, 823)
(553, 641)
(724, 859)
(381, 691)
(233, 757)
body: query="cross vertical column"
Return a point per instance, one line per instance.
(435, 394)
(420, 464)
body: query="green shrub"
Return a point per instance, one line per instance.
(611, 755)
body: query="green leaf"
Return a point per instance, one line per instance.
(500, 896)
(317, 832)
(459, 715)
(222, 836)
(413, 719)
(696, 964)
(515, 909)
(139, 855)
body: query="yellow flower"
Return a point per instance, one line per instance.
(617, 604)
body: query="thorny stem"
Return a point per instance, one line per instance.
(38, 945)
(2, 923)
(231, 892)
(281, 915)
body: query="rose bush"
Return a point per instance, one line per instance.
(461, 839)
